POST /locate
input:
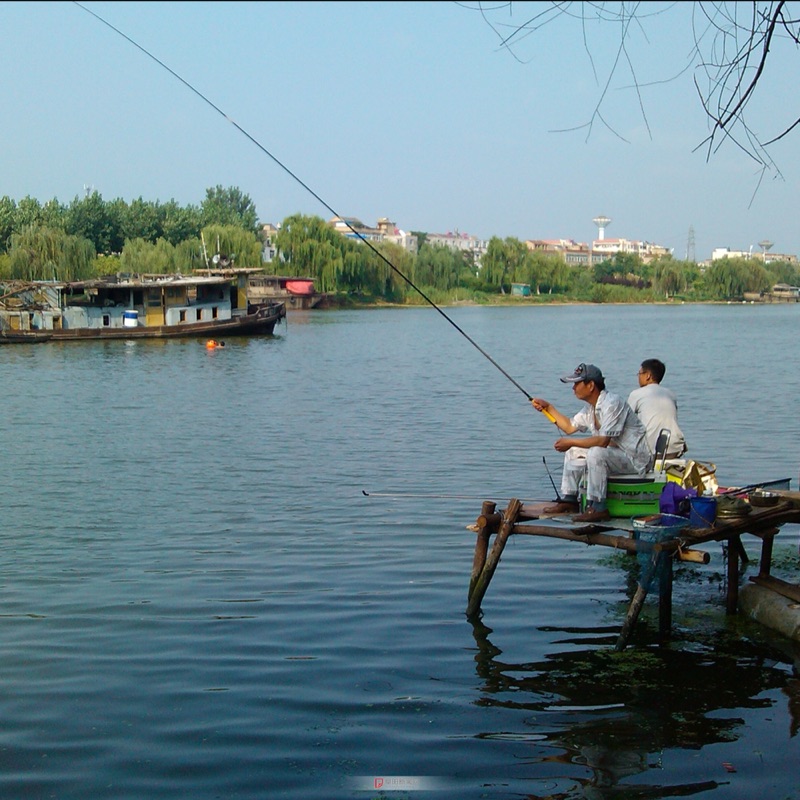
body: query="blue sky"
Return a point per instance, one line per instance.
(403, 110)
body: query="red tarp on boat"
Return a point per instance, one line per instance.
(300, 287)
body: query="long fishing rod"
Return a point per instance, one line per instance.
(552, 482)
(310, 191)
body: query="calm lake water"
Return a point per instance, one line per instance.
(199, 601)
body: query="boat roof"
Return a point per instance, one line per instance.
(145, 281)
(253, 271)
(227, 270)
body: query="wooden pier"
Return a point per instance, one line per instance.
(524, 519)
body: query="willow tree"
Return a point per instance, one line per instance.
(730, 278)
(311, 248)
(670, 277)
(44, 254)
(783, 272)
(439, 267)
(234, 245)
(8, 208)
(189, 256)
(363, 270)
(155, 258)
(394, 285)
(536, 268)
(502, 261)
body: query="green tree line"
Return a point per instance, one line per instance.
(90, 237)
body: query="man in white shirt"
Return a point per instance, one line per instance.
(616, 444)
(657, 407)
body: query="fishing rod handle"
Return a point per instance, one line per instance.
(544, 411)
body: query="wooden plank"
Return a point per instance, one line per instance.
(592, 534)
(759, 521)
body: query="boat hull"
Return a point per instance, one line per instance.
(260, 321)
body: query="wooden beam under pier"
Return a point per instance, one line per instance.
(592, 534)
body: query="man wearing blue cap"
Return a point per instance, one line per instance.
(616, 444)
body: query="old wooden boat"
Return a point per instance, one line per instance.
(132, 307)
(296, 293)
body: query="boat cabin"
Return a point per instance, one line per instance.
(119, 301)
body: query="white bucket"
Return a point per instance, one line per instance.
(130, 319)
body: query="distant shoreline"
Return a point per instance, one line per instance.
(350, 303)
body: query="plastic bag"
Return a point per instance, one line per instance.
(675, 499)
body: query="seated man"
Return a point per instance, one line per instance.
(657, 407)
(616, 444)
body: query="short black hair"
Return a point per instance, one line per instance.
(655, 367)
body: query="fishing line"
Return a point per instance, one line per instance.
(415, 496)
(292, 175)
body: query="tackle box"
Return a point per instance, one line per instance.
(634, 496)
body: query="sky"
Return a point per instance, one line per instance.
(412, 111)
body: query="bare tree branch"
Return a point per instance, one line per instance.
(731, 48)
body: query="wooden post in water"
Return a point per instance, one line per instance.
(665, 596)
(736, 542)
(480, 584)
(482, 544)
(630, 619)
(767, 539)
(734, 548)
(659, 568)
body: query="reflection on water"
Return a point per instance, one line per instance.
(614, 715)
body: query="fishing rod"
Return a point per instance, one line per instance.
(319, 199)
(552, 482)
(750, 487)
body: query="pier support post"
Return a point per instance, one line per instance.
(481, 544)
(665, 597)
(659, 568)
(732, 599)
(630, 619)
(767, 540)
(480, 583)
